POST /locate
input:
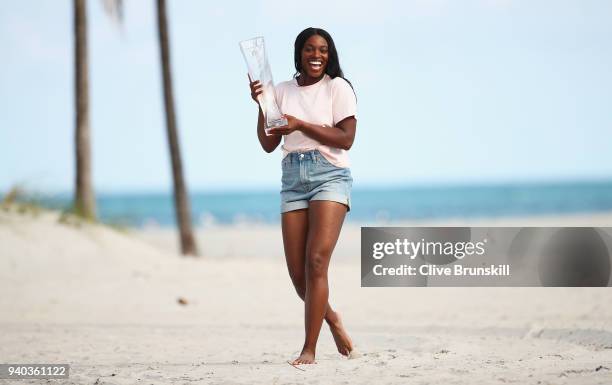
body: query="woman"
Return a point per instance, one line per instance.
(320, 107)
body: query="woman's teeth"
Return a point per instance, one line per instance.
(315, 64)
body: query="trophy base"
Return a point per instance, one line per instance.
(274, 124)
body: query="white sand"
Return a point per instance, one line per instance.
(106, 302)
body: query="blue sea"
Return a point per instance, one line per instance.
(375, 205)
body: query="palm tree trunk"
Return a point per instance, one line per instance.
(85, 204)
(181, 199)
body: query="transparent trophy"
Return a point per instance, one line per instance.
(254, 53)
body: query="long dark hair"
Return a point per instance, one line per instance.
(333, 63)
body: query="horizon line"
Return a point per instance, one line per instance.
(361, 187)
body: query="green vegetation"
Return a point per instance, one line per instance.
(18, 200)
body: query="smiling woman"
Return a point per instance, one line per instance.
(320, 107)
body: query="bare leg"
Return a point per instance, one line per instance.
(325, 221)
(295, 232)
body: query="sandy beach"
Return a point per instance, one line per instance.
(106, 301)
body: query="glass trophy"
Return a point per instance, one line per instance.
(254, 53)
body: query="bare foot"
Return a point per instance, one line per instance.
(306, 357)
(341, 337)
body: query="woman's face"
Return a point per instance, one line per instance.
(314, 56)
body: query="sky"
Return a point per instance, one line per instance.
(480, 91)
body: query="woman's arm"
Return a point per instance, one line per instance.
(340, 136)
(268, 142)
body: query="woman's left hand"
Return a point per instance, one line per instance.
(293, 124)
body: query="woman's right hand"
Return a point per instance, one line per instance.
(256, 89)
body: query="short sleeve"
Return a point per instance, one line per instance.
(344, 102)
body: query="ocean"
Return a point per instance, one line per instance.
(375, 205)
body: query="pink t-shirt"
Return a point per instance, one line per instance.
(325, 103)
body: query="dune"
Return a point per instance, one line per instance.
(121, 307)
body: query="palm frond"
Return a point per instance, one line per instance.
(114, 9)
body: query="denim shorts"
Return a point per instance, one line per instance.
(309, 176)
